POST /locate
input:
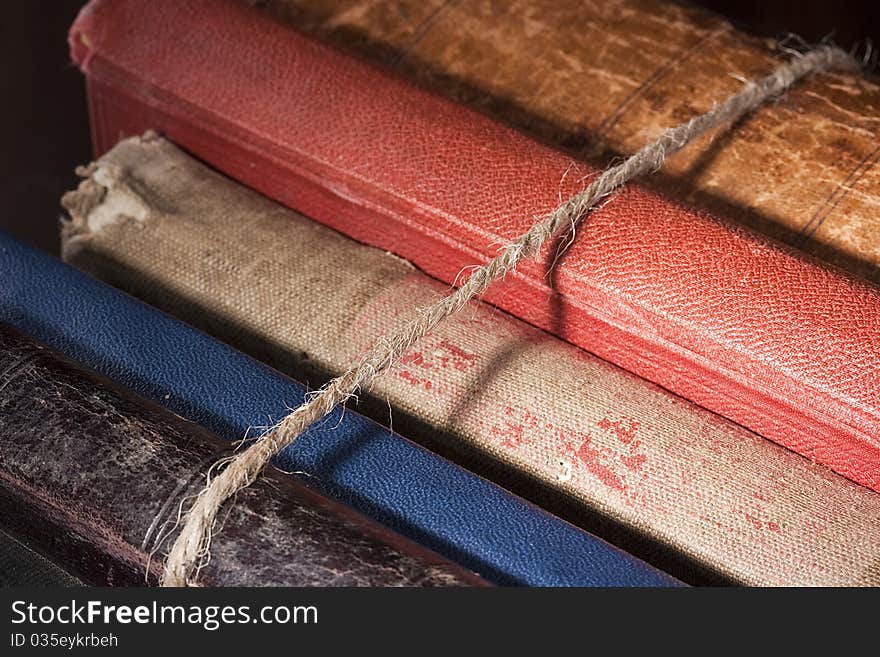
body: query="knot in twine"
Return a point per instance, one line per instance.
(191, 546)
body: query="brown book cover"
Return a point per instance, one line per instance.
(601, 79)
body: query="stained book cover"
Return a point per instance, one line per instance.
(755, 331)
(601, 79)
(92, 476)
(563, 427)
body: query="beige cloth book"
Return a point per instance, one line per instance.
(667, 479)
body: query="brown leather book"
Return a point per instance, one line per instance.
(92, 478)
(601, 79)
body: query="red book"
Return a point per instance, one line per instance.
(762, 335)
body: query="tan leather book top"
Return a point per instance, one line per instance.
(602, 78)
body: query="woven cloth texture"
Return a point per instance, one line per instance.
(488, 388)
(719, 315)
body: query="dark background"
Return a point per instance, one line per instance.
(44, 128)
(43, 118)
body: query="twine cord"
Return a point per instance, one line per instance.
(192, 543)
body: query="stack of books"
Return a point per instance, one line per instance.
(689, 392)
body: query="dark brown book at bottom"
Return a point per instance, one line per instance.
(93, 477)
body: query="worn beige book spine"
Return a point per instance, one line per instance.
(561, 426)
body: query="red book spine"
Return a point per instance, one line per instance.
(762, 335)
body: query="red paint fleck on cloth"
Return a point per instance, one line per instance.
(444, 356)
(456, 357)
(635, 461)
(592, 459)
(613, 458)
(410, 378)
(513, 434)
(624, 429)
(756, 523)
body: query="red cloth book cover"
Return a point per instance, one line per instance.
(510, 402)
(764, 336)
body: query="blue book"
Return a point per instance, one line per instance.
(402, 485)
